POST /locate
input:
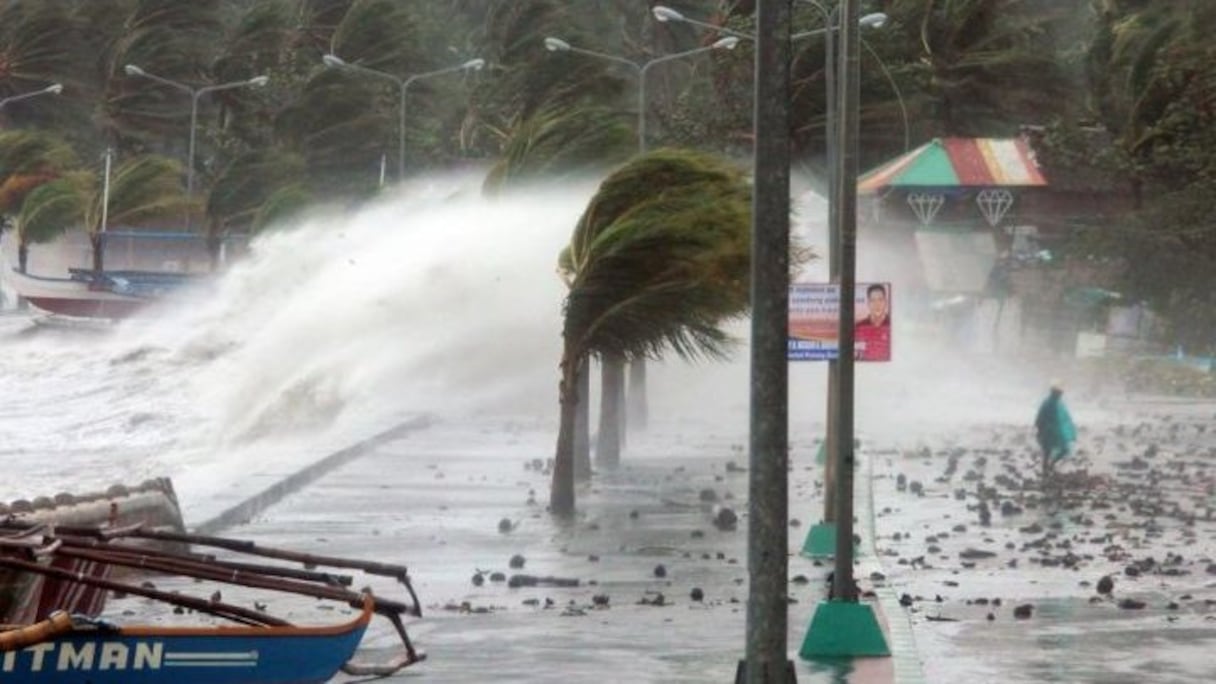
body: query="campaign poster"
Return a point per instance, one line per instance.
(814, 316)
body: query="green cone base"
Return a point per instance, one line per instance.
(843, 629)
(820, 541)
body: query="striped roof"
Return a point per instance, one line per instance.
(958, 162)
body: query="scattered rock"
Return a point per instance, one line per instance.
(725, 519)
(1106, 585)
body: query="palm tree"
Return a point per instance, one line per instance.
(28, 160)
(659, 259)
(39, 44)
(243, 188)
(143, 189)
(558, 141)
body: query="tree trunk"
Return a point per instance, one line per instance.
(608, 441)
(99, 261)
(582, 423)
(561, 493)
(639, 409)
(23, 256)
(214, 242)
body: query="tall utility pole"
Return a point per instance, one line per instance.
(768, 486)
(831, 439)
(843, 626)
(846, 201)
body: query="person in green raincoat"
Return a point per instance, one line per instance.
(1054, 429)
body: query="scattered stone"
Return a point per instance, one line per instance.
(696, 594)
(1106, 585)
(516, 562)
(1024, 611)
(1131, 604)
(725, 519)
(517, 581)
(974, 554)
(478, 579)
(660, 570)
(505, 526)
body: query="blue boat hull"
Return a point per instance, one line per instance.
(148, 655)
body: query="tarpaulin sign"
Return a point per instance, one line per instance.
(814, 316)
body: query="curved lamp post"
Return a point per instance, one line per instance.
(553, 44)
(52, 89)
(664, 14)
(832, 19)
(558, 45)
(335, 62)
(195, 94)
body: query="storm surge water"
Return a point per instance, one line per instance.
(431, 300)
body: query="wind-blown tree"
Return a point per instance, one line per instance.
(1154, 91)
(244, 187)
(659, 259)
(558, 142)
(546, 114)
(174, 40)
(40, 44)
(28, 160)
(143, 189)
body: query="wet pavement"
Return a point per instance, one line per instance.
(644, 542)
(968, 536)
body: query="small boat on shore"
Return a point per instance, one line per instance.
(65, 649)
(259, 648)
(141, 267)
(26, 598)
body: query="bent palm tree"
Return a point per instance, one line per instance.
(143, 189)
(659, 259)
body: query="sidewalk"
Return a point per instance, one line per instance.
(433, 499)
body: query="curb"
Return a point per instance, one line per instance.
(244, 511)
(904, 655)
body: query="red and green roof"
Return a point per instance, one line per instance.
(958, 162)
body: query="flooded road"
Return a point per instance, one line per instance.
(644, 543)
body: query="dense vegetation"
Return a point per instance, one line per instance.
(1142, 71)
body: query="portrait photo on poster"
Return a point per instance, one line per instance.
(872, 332)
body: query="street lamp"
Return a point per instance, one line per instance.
(831, 27)
(832, 19)
(552, 44)
(558, 45)
(335, 62)
(52, 89)
(664, 14)
(195, 94)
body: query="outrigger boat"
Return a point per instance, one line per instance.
(260, 648)
(27, 598)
